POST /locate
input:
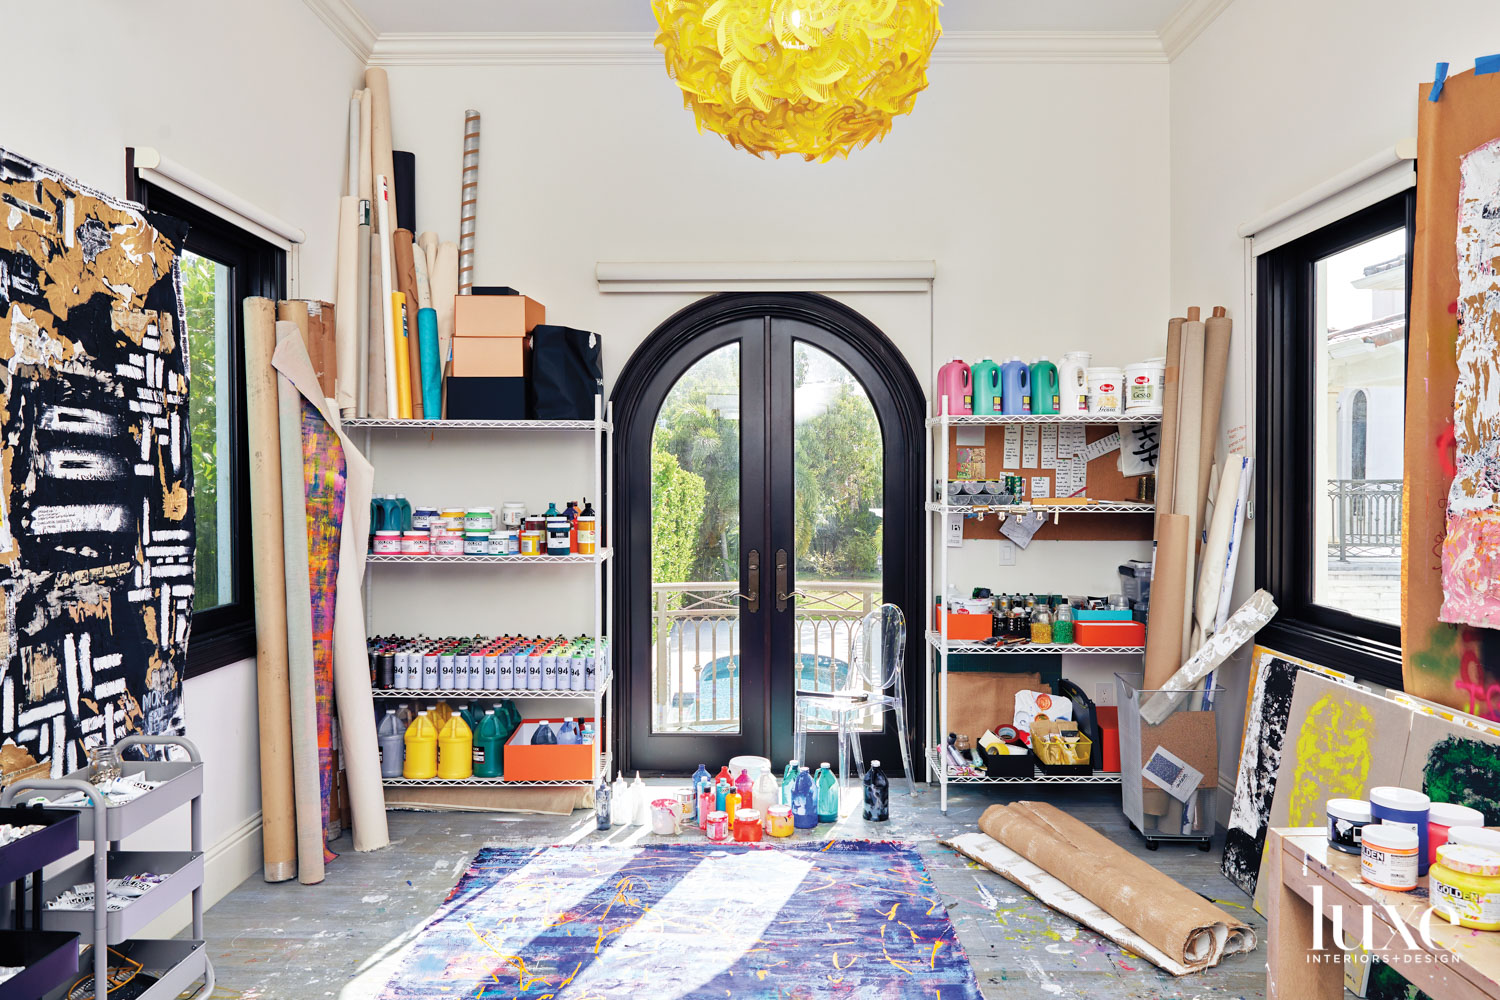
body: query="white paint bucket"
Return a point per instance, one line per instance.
(1106, 390)
(1143, 386)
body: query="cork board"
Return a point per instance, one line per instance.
(1103, 479)
(981, 701)
(1191, 736)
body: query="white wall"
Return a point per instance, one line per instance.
(1041, 191)
(255, 98)
(1273, 98)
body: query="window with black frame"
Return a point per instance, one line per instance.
(221, 265)
(1331, 376)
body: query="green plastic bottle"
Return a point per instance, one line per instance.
(828, 794)
(1045, 387)
(489, 747)
(987, 386)
(788, 779)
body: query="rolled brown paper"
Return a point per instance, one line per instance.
(278, 809)
(1189, 443)
(1166, 462)
(382, 161)
(1216, 334)
(1163, 911)
(1169, 591)
(402, 243)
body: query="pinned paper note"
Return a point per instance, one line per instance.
(1022, 527)
(1029, 446)
(1140, 445)
(1049, 446)
(1041, 487)
(1070, 441)
(1102, 447)
(1072, 478)
(1172, 774)
(1012, 458)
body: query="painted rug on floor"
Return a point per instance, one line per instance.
(842, 919)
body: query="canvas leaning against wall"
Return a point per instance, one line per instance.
(96, 508)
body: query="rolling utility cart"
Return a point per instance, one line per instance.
(175, 964)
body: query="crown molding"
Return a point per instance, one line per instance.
(347, 24)
(1189, 21)
(701, 277)
(638, 48)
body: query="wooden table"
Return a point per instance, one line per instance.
(1459, 964)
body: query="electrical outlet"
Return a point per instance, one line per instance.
(1104, 693)
(955, 530)
(1007, 552)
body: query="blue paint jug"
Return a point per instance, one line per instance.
(986, 377)
(701, 780)
(543, 736)
(804, 801)
(1015, 379)
(1045, 387)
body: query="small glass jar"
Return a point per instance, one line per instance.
(106, 765)
(1062, 625)
(1041, 627)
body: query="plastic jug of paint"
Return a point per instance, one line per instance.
(640, 801)
(1015, 377)
(543, 736)
(987, 386)
(1073, 382)
(588, 530)
(788, 779)
(421, 750)
(567, 734)
(403, 508)
(877, 794)
(767, 790)
(455, 750)
(746, 790)
(620, 806)
(1045, 392)
(439, 714)
(804, 801)
(956, 386)
(471, 716)
(700, 781)
(828, 794)
(392, 740)
(489, 746)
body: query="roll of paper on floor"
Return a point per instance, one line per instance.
(432, 365)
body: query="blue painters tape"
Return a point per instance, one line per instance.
(1439, 77)
(1487, 64)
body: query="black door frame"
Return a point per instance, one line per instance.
(899, 404)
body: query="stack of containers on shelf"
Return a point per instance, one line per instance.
(397, 529)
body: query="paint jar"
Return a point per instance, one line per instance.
(747, 828)
(666, 817)
(479, 519)
(532, 542)
(416, 543)
(588, 530)
(453, 518)
(448, 543)
(422, 518)
(512, 514)
(387, 543)
(717, 826)
(496, 546)
(1143, 385)
(779, 821)
(1105, 385)
(476, 543)
(1442, 818)
(1464, 886)
(1475, 837)
(1388, 856)
(686, 803)
(1073, 382)
(1347, 819)
(1397, 806)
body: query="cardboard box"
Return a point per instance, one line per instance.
(551, 762)
(967, 627)
(489, 357)
(496, 315)
(485, 398)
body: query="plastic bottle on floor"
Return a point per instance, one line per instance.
(788, 779)
(455, 750)
(641, 801)
(392, 739)
(700, 780)
(828, 794)
(746, 790)
(804, 801)
(767, 791)
(721, 789)
(877, 794)
(489, 746)
(620, 811)
(602, 798)
(421, 749)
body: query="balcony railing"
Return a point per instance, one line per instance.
(1366, 519)
(696, 639)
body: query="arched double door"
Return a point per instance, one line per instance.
(769, 457)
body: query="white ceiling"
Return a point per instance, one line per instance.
(560, 16)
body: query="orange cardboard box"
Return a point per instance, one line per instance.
(496, 315)
(966, 627)
(489, 357)
(551, 762)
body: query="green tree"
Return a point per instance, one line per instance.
(201, 309)
(839, 480)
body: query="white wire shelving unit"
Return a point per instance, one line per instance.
(937, 585)
(600, 433)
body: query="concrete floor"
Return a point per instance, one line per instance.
(293, 942)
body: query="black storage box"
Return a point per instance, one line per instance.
(565, 375)
(1007, 765)
(486, 398)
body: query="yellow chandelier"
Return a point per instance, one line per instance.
(812, 77)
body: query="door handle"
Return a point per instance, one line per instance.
(782, 594)
(751, 594)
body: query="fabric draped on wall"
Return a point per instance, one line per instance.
(1450, 537)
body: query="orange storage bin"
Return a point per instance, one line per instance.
(966, 627)
(549, 762)
(1109, 633)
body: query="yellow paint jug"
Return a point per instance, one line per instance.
(455, 750)
(421, 750)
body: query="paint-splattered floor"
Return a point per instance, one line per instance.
(292, 942)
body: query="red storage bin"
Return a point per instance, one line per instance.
(1108, 718)
(1109, 633)
(966, 627)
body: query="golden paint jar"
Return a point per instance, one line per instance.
(1464, 886)
(779, 821)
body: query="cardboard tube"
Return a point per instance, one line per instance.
(432, 367)
(362, 315)
(1216, 335)
(301, 682)
(468, 202)
(382, 158)
(1166, 463)
(366, 190)
(278, 808)
(428, 241)
(387, 289)
(351, 173)
(378, 408)
(346, 319)
(1168, 601)
(1215, 555)
(444, 279)
(424, 283)
(1189, 440)
(406, 284)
